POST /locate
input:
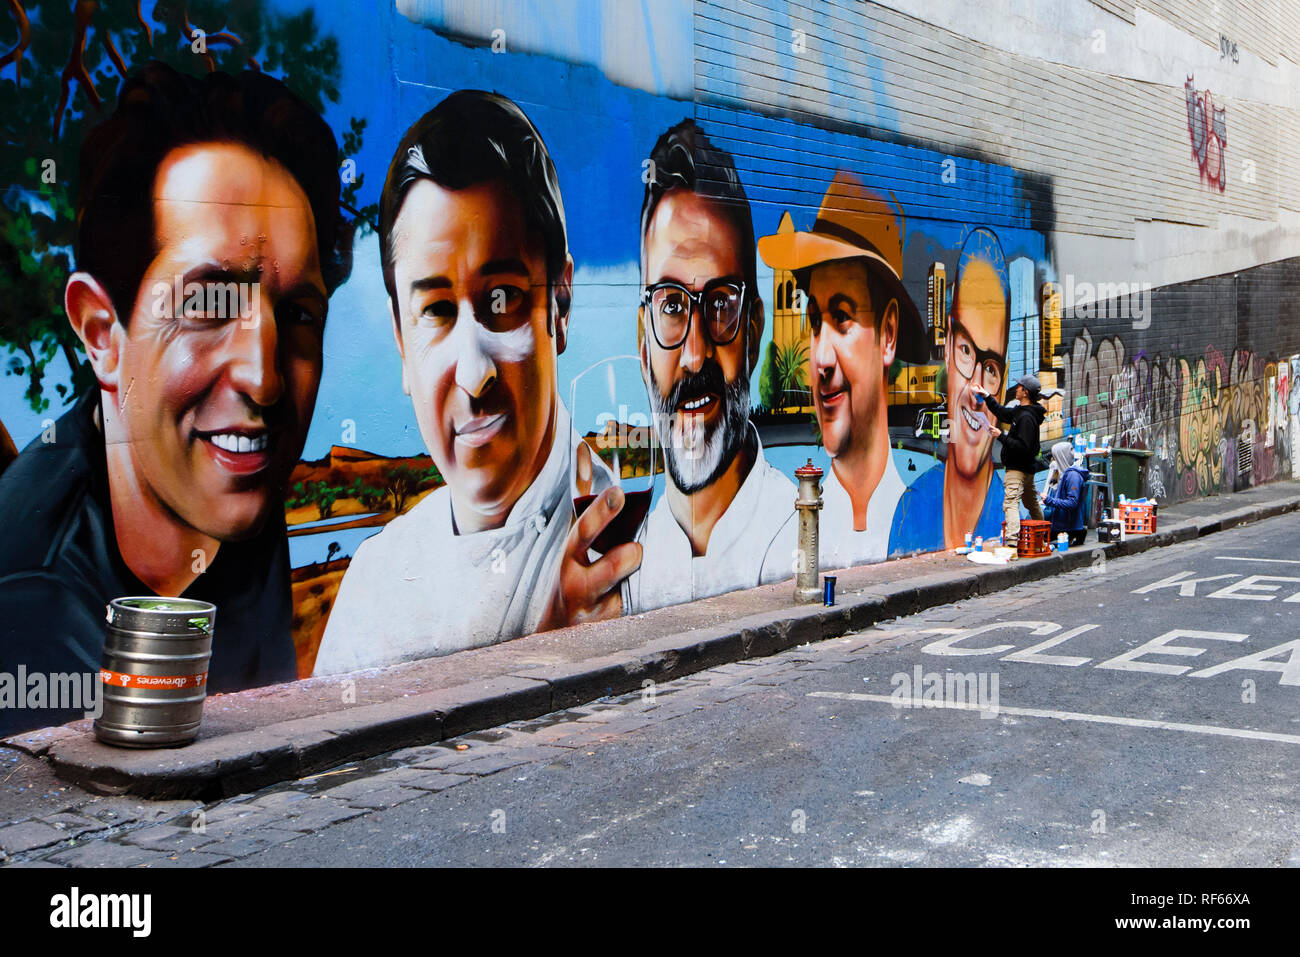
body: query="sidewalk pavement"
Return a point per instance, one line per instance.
(257, 738)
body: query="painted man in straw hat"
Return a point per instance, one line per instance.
(849, 265)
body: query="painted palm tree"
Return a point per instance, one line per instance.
(791, 361)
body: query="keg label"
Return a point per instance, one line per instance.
(119, 680)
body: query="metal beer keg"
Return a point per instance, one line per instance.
(155, 671)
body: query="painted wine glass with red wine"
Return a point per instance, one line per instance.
(612, 416)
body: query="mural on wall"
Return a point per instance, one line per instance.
(426, 357)
(976, 342)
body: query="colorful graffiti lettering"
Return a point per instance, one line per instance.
(1194, 413)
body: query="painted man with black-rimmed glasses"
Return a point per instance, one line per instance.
(725, 519)
(976, 351)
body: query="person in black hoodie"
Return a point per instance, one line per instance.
(1020, 450)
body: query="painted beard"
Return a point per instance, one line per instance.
(697, 455)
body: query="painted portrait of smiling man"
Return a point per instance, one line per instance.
(205, 261)
(724, 520)
(861, 320)
(479, 277)
(975, 358)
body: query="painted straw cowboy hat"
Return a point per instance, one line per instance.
(855, 223)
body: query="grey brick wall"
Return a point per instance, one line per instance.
(1118, 149)
(1107, 129)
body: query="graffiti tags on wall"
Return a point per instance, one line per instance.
(1197, 414)
(1207, 125)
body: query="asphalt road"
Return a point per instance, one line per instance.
(1113, 716)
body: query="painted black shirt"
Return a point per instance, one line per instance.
(60, 567)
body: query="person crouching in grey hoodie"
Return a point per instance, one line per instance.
(1066, 500)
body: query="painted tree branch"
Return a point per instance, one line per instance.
(107, 40)
(209, 38)
(139, 15)
(15, 56)
(76, 66)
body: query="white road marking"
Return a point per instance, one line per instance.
(1186, 586)
(1034, 653)
(1161, 646)
(1248, 588)
(945, 646)
(1244, 558)
(1210, 729)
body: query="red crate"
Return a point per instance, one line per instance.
(1035, 540)
(1139, 519)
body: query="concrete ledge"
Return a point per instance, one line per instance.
(231, 764)
(944, 589)
(530, 683)
(486, 704)
(205, 769)
(865, 612)
(1076, 558)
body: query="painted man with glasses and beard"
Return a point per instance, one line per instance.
(975, 358)
(726, 518)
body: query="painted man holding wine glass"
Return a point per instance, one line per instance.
(479, 277)
(726, 518)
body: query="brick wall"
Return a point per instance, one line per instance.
(1089, 96)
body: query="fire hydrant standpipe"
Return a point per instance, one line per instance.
(808, 504)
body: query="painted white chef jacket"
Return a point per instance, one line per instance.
(752, 544)
(840, 545)
(419, 589)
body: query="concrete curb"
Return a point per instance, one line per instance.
(231, 764)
